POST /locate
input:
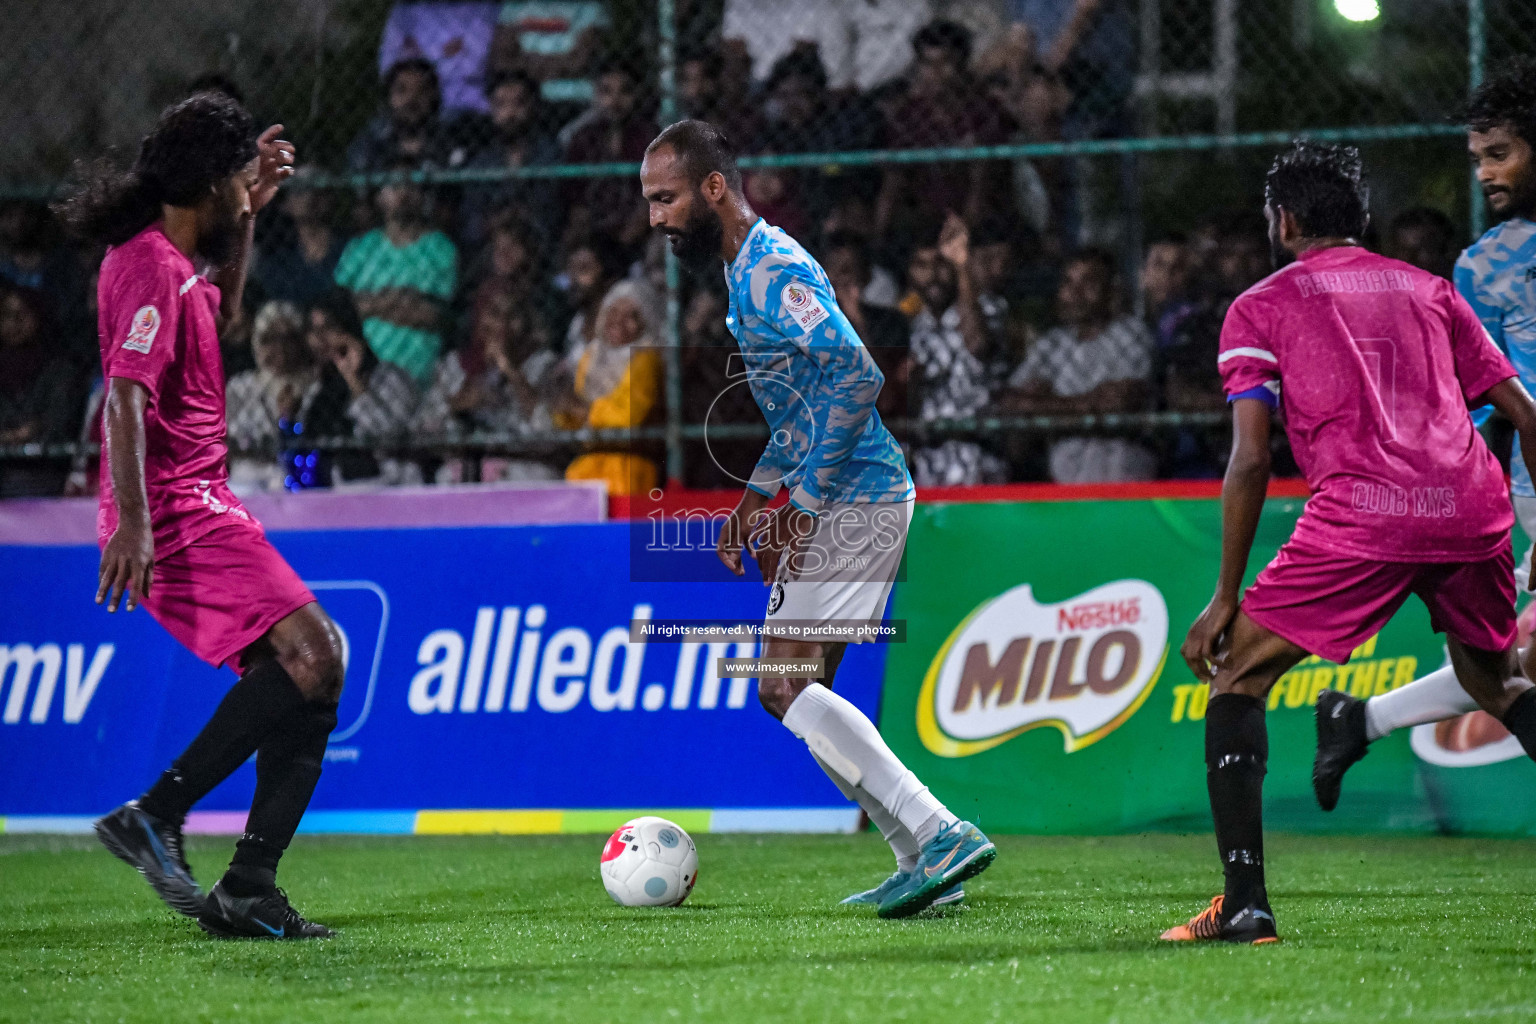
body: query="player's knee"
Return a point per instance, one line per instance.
(317, 665)
(1248, 685)
(776, 695)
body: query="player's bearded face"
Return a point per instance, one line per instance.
(221, 235)
(1506, 170)
(697, 243)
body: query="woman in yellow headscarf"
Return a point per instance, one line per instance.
(618, 385)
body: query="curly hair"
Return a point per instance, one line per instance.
(1324, 188)
(194, 145)
(1506, 99)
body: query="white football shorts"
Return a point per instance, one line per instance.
(837, 588)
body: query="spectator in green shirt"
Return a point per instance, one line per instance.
(402, 276)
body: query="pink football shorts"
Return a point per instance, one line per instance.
(223, 592)
(1328, 603)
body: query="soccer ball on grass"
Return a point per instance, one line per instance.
(649, 862)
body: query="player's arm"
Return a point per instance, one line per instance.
(231, 277)
(762, 486)
(1242, 501)
(141, 323)
(128, 560)
(274, 165)
(1250, 375)
(741, 520)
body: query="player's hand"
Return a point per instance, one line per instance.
(955, 241)
(1204, 647)
(1531, 582)
(127, 565)
(277, 156)
(733, 532)
(780, 533)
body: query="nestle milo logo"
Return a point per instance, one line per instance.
(1083, 666)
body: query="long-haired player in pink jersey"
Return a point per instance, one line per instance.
(174, 539)
(1373, 366)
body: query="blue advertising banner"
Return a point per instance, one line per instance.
(488, 668)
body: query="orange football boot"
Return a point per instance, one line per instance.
(1252, 925)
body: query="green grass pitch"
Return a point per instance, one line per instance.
(1060, 930)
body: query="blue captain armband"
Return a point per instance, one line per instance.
(1266, 393)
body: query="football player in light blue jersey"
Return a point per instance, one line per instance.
(1497, 276)
(832, 550)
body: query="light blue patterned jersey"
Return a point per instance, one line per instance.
(1497, 276)
(813, 379)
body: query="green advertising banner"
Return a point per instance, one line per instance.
(1041, 690)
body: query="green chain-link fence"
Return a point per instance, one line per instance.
(469, 176)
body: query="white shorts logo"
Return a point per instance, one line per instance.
(802, 305)
(146, 324)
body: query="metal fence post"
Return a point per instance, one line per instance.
(1477, 54)
(667, 34)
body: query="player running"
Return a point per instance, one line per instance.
(174, 539)
(1494, 276)
(831, 552)
(1374, 364)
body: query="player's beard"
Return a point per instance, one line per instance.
(697, 243)
(1521, 201)
(221, 241)
(1279, 255)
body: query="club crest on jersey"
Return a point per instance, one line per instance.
(1083, 666)
(802, 305)
(141, 335)
(776, 599)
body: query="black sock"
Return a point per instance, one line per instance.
(287, 769)
(1520, 720)
(1236, 753)
(253, 707)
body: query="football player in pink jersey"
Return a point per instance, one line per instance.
(1373, 365)
(1495, 276)
(173, 536)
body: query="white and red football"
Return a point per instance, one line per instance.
(649, 862)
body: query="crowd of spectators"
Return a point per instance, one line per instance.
(418, 320)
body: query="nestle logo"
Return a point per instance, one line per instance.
(1081, 666)
(1098, 614)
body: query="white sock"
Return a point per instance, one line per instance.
(1434, 698)
(840, 734)
(902, 844)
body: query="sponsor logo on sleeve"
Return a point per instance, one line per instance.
(141, 335)
(1082, 666)
(803, 305)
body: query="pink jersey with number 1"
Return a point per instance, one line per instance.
(1372, 364)
(157, 324)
